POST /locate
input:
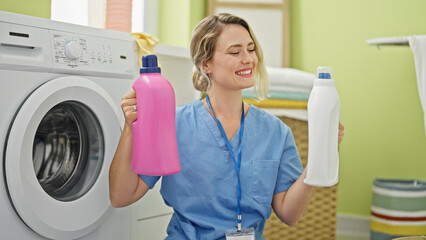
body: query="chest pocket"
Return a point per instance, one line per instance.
(264, 176)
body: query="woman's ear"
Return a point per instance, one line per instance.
(205, 67)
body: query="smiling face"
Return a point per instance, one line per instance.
(233, 64)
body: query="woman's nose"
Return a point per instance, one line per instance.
(247, 58)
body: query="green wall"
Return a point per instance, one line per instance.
(198, 12)
(380, 105)
(174, 21)
(177, 19)
(38, 8)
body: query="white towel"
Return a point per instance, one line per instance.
(418, 46)
(291, 89)
(290, 77)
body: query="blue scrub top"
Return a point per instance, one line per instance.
(204, 194)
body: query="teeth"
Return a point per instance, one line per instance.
(244, 72)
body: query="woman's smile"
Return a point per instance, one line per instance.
(245, 73)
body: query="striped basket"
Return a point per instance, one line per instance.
(398, 209)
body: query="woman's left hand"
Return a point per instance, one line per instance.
(341, 131)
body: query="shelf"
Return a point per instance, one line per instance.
(401, 41)
(172, 51)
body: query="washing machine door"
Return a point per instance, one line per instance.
(58, 154)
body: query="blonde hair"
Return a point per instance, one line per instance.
(203, 44)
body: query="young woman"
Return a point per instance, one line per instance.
(236, 160)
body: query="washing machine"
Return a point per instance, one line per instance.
(60, 123)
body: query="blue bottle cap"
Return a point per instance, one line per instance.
(324, 75)
(149, 64)
(324, 72)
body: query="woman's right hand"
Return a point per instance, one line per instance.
(128, 103)
(125, 186)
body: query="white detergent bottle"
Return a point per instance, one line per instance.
(323, 129)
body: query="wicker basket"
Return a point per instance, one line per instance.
(319, 220)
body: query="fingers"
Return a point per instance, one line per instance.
(341, 131)
(128, 103)
(129, 109)
(129, 97)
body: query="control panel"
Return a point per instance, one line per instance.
(70, 50)
(89, 53)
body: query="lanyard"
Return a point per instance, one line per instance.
(237, 162)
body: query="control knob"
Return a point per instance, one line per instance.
(72, 50)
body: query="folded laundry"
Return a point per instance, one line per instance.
(290, 77)
(290, 89)
(300, 96)
(278, 103)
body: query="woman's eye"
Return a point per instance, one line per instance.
(235, 53)
(251, 50)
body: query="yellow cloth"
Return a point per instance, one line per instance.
(145, 43)
(278, 103)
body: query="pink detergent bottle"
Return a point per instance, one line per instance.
(154, 131)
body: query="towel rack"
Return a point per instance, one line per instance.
(394, 41)
(418, 46)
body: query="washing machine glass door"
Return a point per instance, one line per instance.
(68, 150)
(58, 153)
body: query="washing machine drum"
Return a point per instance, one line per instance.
(58, 153)
(68, 151)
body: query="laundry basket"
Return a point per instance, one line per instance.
(398, 209)
(319, 220)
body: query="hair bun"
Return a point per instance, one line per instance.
(199, 81)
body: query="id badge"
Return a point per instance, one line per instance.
(244, 234)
